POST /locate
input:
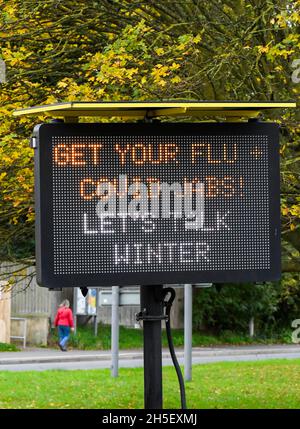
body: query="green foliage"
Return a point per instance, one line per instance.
(230, 307)
(4, 347)
(86, 340)
(130, 338)
(289, 300)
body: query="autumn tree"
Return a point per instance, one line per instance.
(130, 50)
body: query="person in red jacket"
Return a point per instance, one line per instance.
(64, 321)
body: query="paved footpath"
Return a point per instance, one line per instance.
(43, 359)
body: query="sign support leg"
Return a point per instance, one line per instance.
(188, 331)
(152, 315)
(75, 292)
(115, 331)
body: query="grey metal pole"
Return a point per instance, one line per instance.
(115, 332)
(75, 292)
(251, 327)
(188, 331)
(96, 316)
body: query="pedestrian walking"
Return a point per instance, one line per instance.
(64, 321)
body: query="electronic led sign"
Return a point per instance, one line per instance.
(122, 204)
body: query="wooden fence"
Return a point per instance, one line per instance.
(27, 298)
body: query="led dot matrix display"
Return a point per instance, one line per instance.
(149, 204)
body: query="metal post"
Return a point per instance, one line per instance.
(251, 327)
(75, 294)
(188, 331)
(151, 305)
(115, 332)
(25, 333)
(95, 326)
(96, 316)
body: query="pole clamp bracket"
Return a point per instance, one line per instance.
(142, 315)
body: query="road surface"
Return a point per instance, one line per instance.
(45, 359)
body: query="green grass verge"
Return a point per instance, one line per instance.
(4, 347)
(133, 338)
(248, 385)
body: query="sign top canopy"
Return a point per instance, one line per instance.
(154, 109)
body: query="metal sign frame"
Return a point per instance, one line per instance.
(44, 209)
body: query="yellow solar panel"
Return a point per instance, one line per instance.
(155, 109)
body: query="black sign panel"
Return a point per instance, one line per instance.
(156, 203)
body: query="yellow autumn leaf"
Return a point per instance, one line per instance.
(176, 79)
(159, 51)
(285, 211)
(263, 49)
